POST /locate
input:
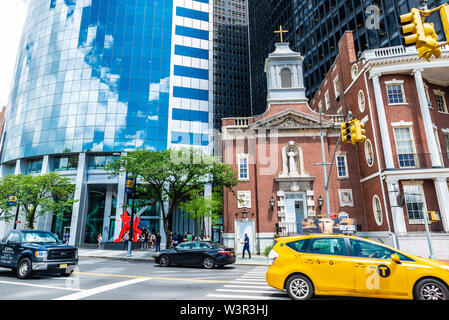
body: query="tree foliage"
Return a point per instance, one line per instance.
(171, 177)
(36, 195)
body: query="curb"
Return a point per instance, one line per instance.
(152, 260)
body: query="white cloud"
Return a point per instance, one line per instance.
(12, 18)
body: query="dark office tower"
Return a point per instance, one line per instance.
(315, 27)
(231, 60)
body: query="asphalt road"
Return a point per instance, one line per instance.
(105, 279)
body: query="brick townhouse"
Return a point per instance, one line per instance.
(386, 183)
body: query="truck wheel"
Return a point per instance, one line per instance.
(65, 274)
(24, 268)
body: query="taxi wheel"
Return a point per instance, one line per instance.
(164, 261)
(24, 269)
(431, 289)
(299, 287)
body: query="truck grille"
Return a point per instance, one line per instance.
(56, 254)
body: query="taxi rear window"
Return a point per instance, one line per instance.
(299, 245)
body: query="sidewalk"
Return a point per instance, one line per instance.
(148, 255)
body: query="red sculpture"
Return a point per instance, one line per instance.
(125, 219)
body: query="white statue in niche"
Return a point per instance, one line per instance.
(292, 163)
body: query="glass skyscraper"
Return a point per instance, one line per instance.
(315, 27)
(100, 77)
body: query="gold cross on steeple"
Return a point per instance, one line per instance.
(281, 32)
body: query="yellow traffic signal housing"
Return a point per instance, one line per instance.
(415, 27)
(346, 132)
(359, 131)
(353, 133)
(433, 216)
(429, 47)
(444, 14)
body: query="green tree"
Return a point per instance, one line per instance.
(169, 177)
(36, 195)
(199, 207)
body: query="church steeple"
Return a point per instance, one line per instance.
(285, 78)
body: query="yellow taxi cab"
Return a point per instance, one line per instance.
(342, 265)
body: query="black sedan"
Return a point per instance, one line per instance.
(197, 253)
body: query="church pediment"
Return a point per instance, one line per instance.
(291, 119)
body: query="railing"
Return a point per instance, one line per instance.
(420, 161)
(284, 229)
(241, 122)
(394, 52)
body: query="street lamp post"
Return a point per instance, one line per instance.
(130, 188)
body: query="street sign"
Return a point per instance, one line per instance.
(129, 187)
(12, 200)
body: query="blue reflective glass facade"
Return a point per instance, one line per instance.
(94, 75)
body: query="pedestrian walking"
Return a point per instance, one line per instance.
(66, 237)
(152, 239)
(246, 246)
(175, 239)
(158, 242)
(99, 240)
(184, 238)
(147, 239)
(126, 239)
(189, 236)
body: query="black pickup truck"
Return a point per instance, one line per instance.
(28, 251)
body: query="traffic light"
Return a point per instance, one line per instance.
(430, 45)
(421, 33)
(433, 216)
(359, 131)
(415, 27)
(346, 132)
(444, 14)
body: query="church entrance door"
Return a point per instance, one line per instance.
(295, 207)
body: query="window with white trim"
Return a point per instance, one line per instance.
(377, 210)
(429, 102)
(437, 140)
(342, 168)
(405, 147)
(441, 101)
(446, 140)
(415, 203)
(337, 87)
(243, 167)
(327, 100)
(369, 153)
(361, 98)
(395, 92)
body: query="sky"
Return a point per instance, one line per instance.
(12, 18)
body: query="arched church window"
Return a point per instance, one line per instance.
(286, 78)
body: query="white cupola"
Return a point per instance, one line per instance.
(285, 78)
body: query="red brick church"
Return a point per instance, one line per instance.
(279, 159)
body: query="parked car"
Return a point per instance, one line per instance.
(196, 253)
(340, 265)
(28, 251)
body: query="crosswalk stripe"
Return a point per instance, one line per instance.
(246, 286)
(247, 291)
(246, 297)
